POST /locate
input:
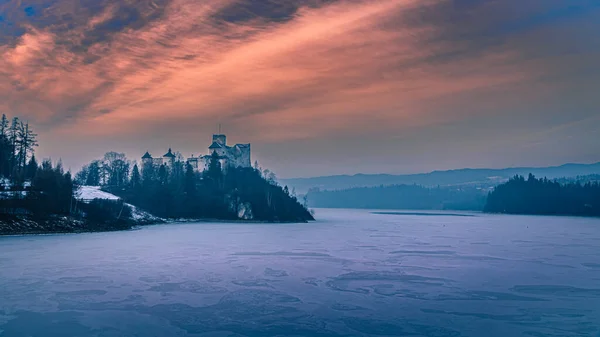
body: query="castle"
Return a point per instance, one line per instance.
(237, 155)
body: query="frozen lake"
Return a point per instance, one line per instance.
(352, 273)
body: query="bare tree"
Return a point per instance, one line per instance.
(13, 136)
(26, 142)
(115, 169)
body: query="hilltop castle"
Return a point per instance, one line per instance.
(237, 155)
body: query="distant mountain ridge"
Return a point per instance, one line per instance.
(484, 178)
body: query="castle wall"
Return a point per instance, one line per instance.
(236, 156)
(244, 160)
(221, 152)
(168, 162)
(224, 164)
(193, 162)
(203, 163)
(239, 155)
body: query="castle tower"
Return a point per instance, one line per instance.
(169, 158)
(218, 145)
(146, 159)
(220, 139)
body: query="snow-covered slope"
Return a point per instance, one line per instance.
(88, 193)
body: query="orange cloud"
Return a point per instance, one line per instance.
(346, 67)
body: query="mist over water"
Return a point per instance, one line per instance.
(351, 273)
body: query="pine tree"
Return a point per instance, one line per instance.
(135, 177)
(190, 181)
(13, 137)
(81, 176)
(51, 190)
(4, 126)
(59, 167)
(27, 141)
(93, 176)
(147, 174)
(214, 168)
(5, 148)
(163, 175)
(31, 168)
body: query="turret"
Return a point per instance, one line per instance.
(220, 139)
(169, 158)
(146, 158)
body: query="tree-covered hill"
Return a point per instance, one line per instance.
(179, 191)
(44, 198)
(545, 197)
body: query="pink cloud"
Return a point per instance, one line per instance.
(344, 68)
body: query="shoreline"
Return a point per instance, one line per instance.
(554, 215)
(205, 220)
(21, 226)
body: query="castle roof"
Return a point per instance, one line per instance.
(215, 145)
(146, 156)
(242, 145)
(169, 154)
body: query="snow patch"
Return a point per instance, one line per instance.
(142, 216)
(94, 192)
(12, 194)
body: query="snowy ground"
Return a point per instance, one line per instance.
(94, 192)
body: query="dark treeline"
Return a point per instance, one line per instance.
(545, 197)
(179, 191)
(17, 160)
(49, 192)
(400, 197)
(29, 188)
(39, 198)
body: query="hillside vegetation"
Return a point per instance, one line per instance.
(179, 191)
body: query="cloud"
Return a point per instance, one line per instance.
(279, 71)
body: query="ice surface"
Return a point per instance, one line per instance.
(351, 273)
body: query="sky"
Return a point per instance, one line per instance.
(318, 87)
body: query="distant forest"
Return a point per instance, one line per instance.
(543, 196)
(179, 191)
(564, 196)
(400, 197)
(481, 178)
